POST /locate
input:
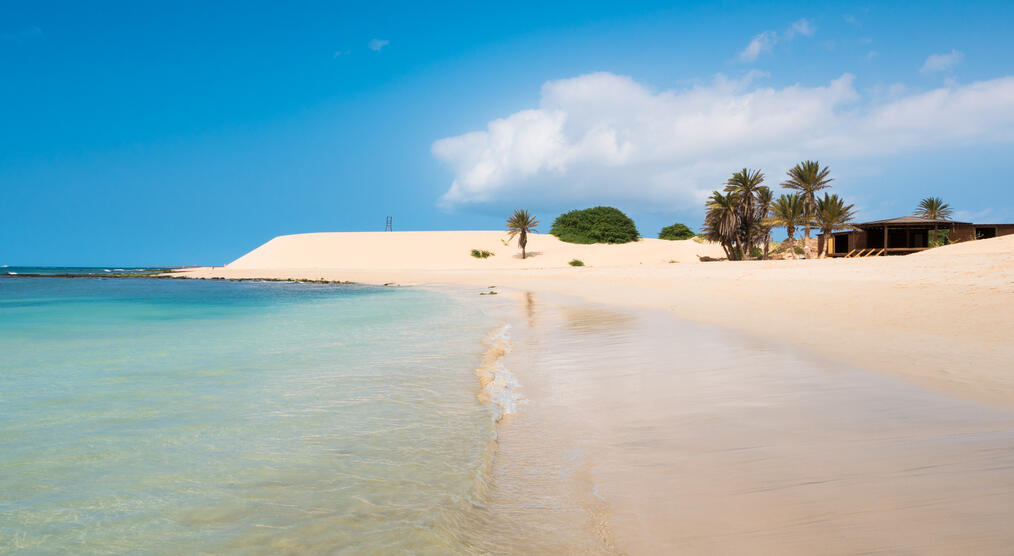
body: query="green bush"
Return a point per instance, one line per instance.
(798, 250)
(756, 253)
(676, 232)
(576, 262)
(595, 225)
(481, 254)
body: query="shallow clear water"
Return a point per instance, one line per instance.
(167, 416)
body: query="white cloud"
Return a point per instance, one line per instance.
(942, 62)
(603, 137)
(377, 44)
(803, 27)
(760, 44)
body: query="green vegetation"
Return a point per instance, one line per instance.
(576, 262)
(519, 225)
(935, 208)
(832, 214)
(808, 178)
(787, 212)
(676, 232)
(741, 217)
(595, 225)
(735, 220)
(482, 254)
(939, 238)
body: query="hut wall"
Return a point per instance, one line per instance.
(962, 232)
(857, 239)
(1004, 229)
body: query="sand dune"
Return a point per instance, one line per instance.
(451, 250)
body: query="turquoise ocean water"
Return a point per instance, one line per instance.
(178, 416)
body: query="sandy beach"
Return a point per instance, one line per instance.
(730, 407)
(940, 318)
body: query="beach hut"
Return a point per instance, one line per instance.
(904, 235)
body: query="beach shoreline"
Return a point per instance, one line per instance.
(940, 319)
(893, 345)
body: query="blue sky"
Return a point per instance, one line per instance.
(189, 133)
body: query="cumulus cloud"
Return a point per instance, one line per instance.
(603, 137)
(377, 44)
(942, 62)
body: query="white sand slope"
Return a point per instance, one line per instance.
(451, 251)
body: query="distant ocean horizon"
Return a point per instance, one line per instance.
(145, 416)
(11, 270)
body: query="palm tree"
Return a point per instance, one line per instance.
(746, 185)
(832, 214)
(721, 222)
(787, 213)
(519, 224)
(808, 178)
(761, 217)
(934, 208)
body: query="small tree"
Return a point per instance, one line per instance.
(721, 223)
(676, 232)
(520, 224)
(745, 186)
(934, 208)
(808, 178)
(832, 214)
(787, 212)
(595, 225)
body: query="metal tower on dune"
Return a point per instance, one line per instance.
(388, 227)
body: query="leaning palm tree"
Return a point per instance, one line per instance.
(722, 222)
(808, 178)
(787, 212)
(520, 224)
(934, 208)
(832, 214)
(746, 185)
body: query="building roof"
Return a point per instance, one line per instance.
(907, 221)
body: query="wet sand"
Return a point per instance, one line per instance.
(677, 437)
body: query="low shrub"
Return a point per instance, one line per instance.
(481, 254)
(595, 225)
(676, 232)
(576, 262)
(756, 253)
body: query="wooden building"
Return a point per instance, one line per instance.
(901, 236)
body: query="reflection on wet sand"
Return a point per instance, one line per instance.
(685, 438)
